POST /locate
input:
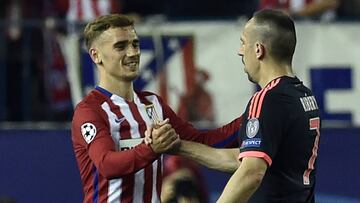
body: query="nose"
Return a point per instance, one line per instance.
(240, 52)
(132, 51)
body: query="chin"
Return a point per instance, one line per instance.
(131, 77)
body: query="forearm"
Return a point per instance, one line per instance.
(219, 159)
(244, 182)
(239, 188)
(223, 136)
(113, 164)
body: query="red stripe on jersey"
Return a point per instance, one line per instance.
(127, 188)
(159, 176)
(148, 170)
(128, 181)
(257, 154)
(272, 84)
(141, 123)
(252, 104)
(256, 106)
(148, 183)
(124, 126)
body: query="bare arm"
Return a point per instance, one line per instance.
(219, 159)
(244, 182)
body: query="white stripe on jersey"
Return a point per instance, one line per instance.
(126, 112)
(155, 197)
(114, 127)
(114, 190)
(139, 183)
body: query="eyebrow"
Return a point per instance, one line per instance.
(124, 42)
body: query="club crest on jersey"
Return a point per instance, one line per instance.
(252, 127)
(88, 131)
(151, 112)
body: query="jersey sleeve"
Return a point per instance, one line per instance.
(261, 134)
(97, 144)
(226, 136)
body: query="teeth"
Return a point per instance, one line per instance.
(131, 64)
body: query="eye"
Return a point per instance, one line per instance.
(136, 44)
(120, 47)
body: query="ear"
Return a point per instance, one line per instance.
(95, 55)
(259, 50)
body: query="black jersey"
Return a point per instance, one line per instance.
(282, 127)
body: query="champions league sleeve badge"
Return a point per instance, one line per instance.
(252, 127)
(88, 131)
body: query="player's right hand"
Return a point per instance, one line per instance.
(163, 136)
(148, 131)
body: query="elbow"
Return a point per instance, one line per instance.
(105, 171)
(257, 177)
(106, 167)
(233, 166)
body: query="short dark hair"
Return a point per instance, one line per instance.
(96, 27)
(281, 35)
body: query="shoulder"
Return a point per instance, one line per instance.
(146, 94)
(150, 96)
(90, 106)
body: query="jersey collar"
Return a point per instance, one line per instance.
(104, 91)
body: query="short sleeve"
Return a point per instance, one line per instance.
(261, 134)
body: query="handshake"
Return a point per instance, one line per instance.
(162, 138)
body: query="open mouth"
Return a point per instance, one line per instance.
(131, 65)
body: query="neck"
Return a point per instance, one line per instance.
(120, 88)
(273, 70)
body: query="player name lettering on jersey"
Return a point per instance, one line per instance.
(129, 143)
(309, 103)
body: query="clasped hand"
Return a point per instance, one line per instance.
(162, 137)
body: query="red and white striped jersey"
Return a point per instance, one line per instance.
(115, 165)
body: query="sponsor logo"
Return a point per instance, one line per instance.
(119, 120)
(88, 131)
(252, 127)
(129, 143)
(254, 142)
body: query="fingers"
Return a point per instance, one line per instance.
(161, 137)
(161, 123)
(165, 141)
(148, 132)
(147, 140)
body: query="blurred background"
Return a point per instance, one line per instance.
(189, 57)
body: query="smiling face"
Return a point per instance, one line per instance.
(117, 53)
